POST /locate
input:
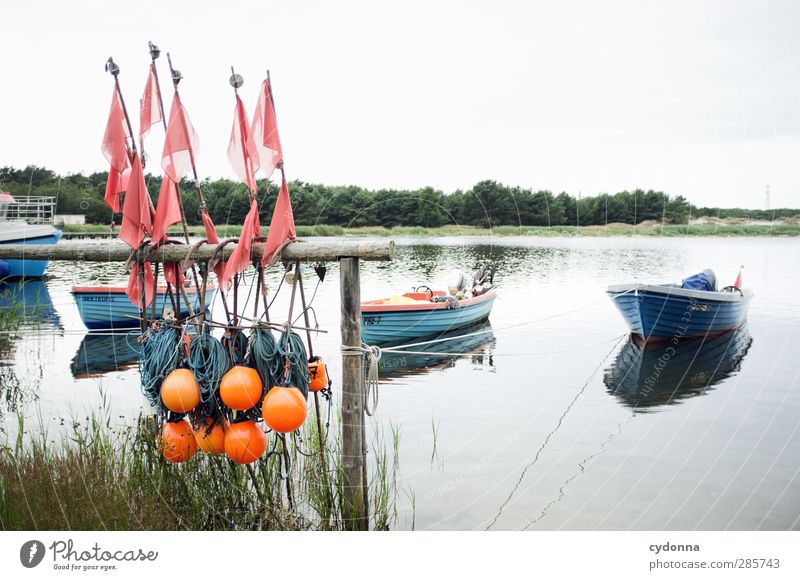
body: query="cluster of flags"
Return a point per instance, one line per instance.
(253, 147)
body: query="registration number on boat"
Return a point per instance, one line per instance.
(700, 307)
(372, 320)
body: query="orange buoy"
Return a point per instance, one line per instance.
(210, 439)
(245, 442)
(240, 388)
(177, 441)
(180, 392)
(317, 375)
(284, 409)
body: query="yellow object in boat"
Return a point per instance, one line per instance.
(401, 300)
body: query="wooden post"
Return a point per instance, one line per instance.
(356, 515)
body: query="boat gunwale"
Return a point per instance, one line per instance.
(668, 291)
(373, 306)
(123, 290)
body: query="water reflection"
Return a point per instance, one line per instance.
(477, 340)
(99, 354)
(666, 374)
(29, 303)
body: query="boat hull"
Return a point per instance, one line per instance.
(396, 324)
(109, 307)
(28, 269)
(662, 312)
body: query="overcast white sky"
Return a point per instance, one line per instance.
(697, 98)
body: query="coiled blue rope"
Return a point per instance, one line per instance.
(209, 361)
(236, 343)
(293, 350)
(264, 357)
(159, 356)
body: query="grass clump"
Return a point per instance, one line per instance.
(100, 477)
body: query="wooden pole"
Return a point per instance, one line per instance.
(356, 516)
(303, 250)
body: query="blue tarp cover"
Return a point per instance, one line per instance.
(701, 281)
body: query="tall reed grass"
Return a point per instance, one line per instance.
(100, 476)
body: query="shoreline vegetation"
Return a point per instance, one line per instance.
(96, 475)
(487, 208)
(721, 228)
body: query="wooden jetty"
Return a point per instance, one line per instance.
(349, 253)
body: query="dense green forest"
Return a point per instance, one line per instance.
(487, 204)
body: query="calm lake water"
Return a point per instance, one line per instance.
(545, 422)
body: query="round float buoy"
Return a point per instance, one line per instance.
(284, 409)
(245, 442)
(210, 439)
(240, 388)
(177, 441)
(317, 375)
(179, 391)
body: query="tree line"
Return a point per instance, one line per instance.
(487, 204)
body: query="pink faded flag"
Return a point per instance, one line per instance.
(134, 291)
(240, 259)
(265, 131)
(115, 150)
(168, 210)
(137, 220)
(213, 238)
(181, 144)
(242, 149)
(149, 111)
(281, 227)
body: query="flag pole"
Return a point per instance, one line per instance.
(113, 68)
(176, 78)
(281, 165)
(155, 52)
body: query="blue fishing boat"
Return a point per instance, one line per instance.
(108, 307)
(427, 312)
(26, 221)
(663, 312)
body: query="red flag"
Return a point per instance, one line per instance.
(240, 259)
(242, 149)
(134, 287)
(168, 210)
(181, 144)
(136, 217)
(281, 228)
(115, 150)
(738, 283)
(265, 131)
(173, 274)
(149, 111)
(213, 238)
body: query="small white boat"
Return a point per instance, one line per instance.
(26, 220)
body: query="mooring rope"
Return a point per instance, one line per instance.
(369, 372)
(264, 356)
(552, 432)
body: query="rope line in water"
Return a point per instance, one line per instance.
(552, 432)
(539, 353)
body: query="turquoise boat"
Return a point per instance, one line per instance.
(421, 314)
(108, 307)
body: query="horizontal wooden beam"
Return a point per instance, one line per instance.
(303, 250)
